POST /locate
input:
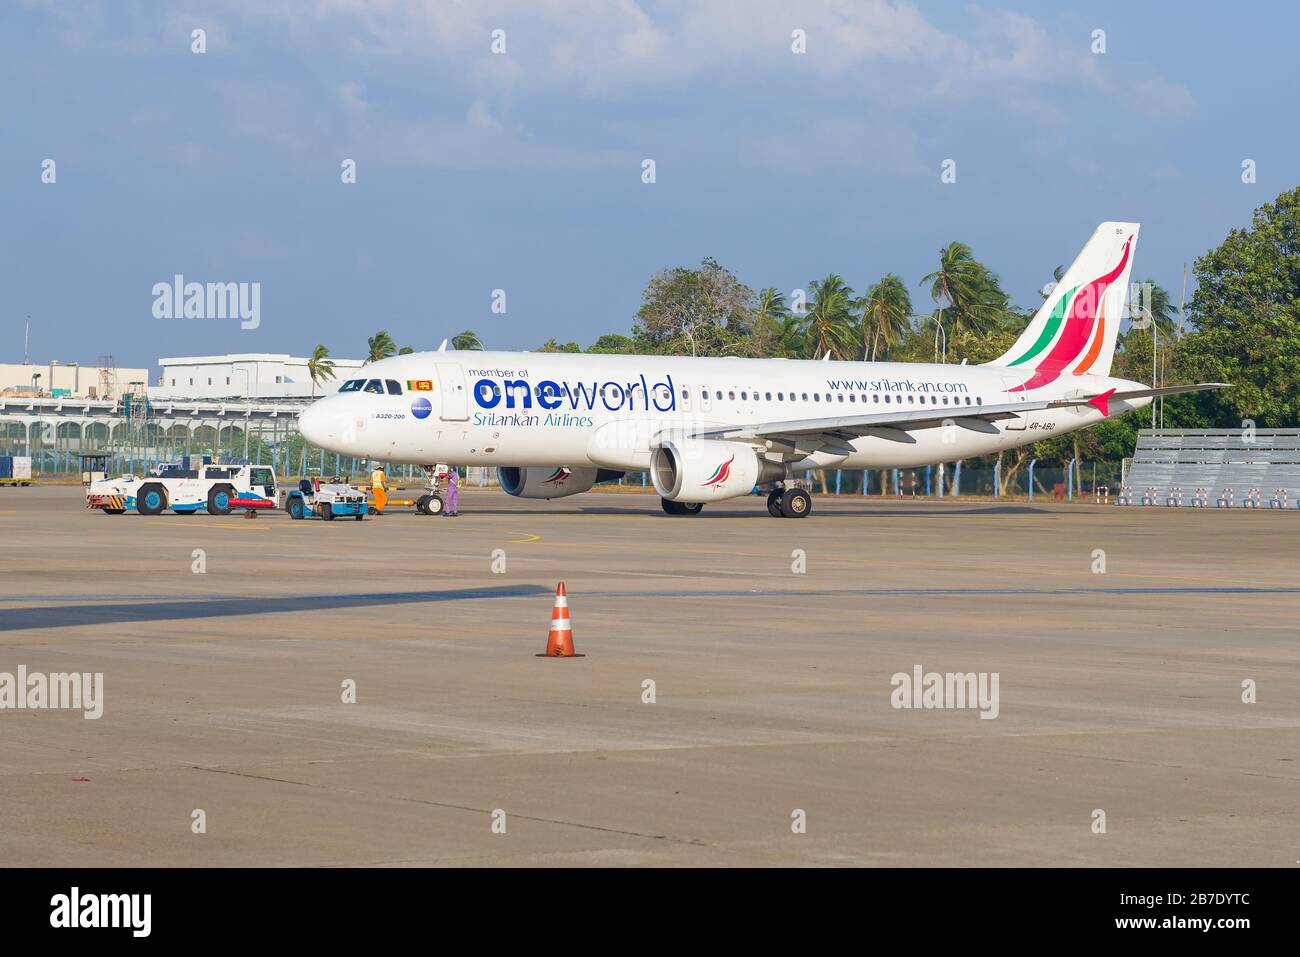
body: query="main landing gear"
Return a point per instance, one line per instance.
(681, 508)
(792, 502)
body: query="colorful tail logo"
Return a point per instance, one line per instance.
(721, 473)
(1083, 304)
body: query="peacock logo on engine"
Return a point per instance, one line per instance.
(720, 474)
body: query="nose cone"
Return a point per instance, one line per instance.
(317, 424)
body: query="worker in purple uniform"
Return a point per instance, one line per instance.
(452, 505)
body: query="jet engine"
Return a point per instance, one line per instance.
(703, 470)
(552, 483)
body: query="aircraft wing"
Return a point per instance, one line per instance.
(897, 426)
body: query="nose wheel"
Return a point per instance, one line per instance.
(789, 503)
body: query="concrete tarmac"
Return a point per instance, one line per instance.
(226, 645)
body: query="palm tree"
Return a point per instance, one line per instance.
(771, 308)
(381, 346)
(951, 283)
(828, 326)
(1155, 300)
(886, 315)
(467, 340)
(320, 367)
(405, 351)
(968, 290)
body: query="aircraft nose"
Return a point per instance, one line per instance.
(317, 424)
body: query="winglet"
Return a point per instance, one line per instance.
(1102, 402)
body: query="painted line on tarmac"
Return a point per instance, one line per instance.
(525, 541)
(98, 611)
(940, 592)
(336, 599)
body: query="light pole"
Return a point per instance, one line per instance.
(248, 407)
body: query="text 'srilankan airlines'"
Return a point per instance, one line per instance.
(707, 430)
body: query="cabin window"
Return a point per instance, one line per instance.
(805, 396)
(767, 396)
(719, 394)
(876, 398)
(886, 400)
(841, 397)
(816, 397)
(852, 397)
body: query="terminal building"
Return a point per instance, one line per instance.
(57, 411)
(252, 375)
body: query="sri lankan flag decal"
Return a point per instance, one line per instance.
(419, 385)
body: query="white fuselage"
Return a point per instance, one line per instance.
(607, 411)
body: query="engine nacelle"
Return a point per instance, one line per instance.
(703, 470)
(551, 483)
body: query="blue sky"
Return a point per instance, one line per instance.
(522, 171)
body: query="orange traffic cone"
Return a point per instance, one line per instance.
(559, 643)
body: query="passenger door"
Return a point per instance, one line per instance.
(452, 397)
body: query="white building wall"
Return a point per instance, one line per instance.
(78, 379)
(236, 376)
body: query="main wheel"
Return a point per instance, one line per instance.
(671, 507)
(795, 503)
(692, 508)
(774, 503)
(151, 499)
(219, 497)
(295, 508)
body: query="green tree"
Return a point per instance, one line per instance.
(551, 345)
(406, 351)
(381, 346)
(693, 311)
(886, 316)
(319, 367)
(467, 341)
(828, 326)
(967, 291)
(1247, 312)
(613, 343)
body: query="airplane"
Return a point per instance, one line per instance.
(713, 429)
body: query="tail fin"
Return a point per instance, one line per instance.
(1075, 329)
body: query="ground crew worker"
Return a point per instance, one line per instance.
(452, 504)
(378, 491)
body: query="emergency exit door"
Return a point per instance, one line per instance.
(452, 397)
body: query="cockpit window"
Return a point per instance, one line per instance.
(352, 385)
(393, 387)
(374, 385)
